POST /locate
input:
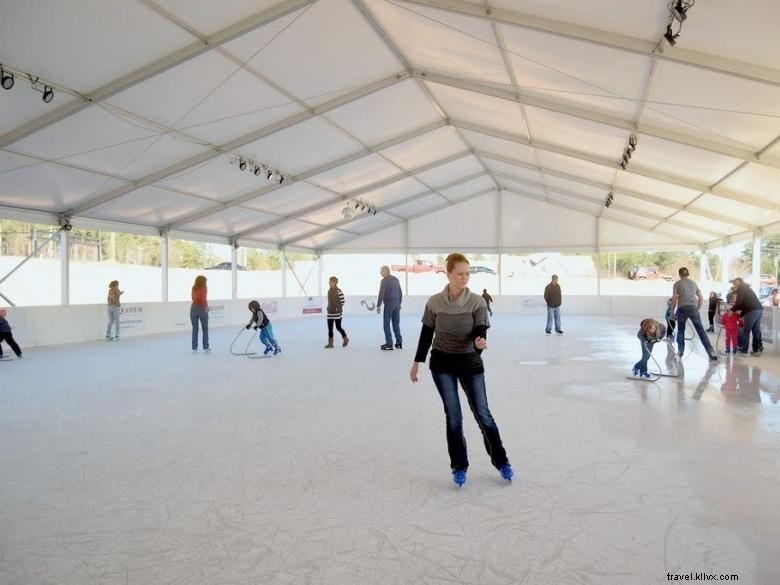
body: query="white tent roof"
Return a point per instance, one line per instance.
(474, 125)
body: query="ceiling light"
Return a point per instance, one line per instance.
(241, 164)
(679, 11)
(268, 175)
(7, 79)
(257, 170)
(632, 140)
(623, 164)
(670, 36)
(48, 94)
(281, 178)
(347, 213)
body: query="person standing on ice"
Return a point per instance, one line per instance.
(335, 312)
(114, 307)
(261, 321)
(391, 295)
(199, 313)
(455, 322)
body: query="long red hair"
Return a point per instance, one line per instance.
(200, 282)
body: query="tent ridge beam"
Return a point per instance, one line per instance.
(714, 63)
(160, 66)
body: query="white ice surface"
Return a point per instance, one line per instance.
(140, 463)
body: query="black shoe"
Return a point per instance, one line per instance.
(386, 347)
(559, 332)
(547, 332)
(755, 353)
(399, 346)
(713, 357)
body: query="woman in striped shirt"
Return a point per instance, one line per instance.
(335, 312)
(455, 322)
(199, 311)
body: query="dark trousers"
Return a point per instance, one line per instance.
(751, 323)
(9, 339)
(691, 312)
(711, 317)
(647, 348)
(670, 323)
(199, 314)
(337, 322)
(392, 314)
(474, 388)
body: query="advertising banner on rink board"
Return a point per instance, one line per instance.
(312, 306)
(131, 319)
(768, 325)
(216, 314)
(269, 307)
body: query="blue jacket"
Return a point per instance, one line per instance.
(390, 292)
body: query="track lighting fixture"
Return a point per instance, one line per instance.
(632, 140)
(256, 168)
(608, 200)
(628, 151)
(65, 224)
(679, 9)
(356, 207)
(6, 78)
(48, 94)
(670, 36)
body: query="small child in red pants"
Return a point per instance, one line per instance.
(731, 323)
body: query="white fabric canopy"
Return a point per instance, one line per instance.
(465, 125)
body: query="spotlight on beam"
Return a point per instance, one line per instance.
(6, 79)
(670, 36)
(242, 164)
(679, 11)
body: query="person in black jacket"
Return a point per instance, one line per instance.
(260, 321)
(712, 308)
(749, 307)
(552, 296)
(335, 312)
(488, 300)
(7, 336)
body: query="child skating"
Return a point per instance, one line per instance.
(261, 321)
(731, 323)
(7, 336)
(650, 333)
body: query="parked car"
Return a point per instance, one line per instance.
(764, 292)
(418, 266)
(648, 273)
(224, 266)
(477, 269)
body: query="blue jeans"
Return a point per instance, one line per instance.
(474, 388)
(198, 313)
(267, 337)
(553, 313)
(392, 314)
(751, 323)
(647, 348)
(113, 319)
(683, 314)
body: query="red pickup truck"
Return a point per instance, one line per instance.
(418, 266)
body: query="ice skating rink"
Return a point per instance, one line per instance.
(140, 463)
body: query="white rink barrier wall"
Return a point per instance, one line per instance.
(50, 325)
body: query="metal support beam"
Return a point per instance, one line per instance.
(427, 211)
(319, 169)
(756, 259)
(609, 163)
(595, 116)
(606, 187)
(161, 65)
(234, 270)
(602, 38)
(283, 262)
(352, 96)
(64, 267)
(616, 207)
(164, 264)
(259, 228)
